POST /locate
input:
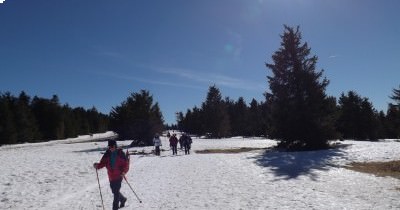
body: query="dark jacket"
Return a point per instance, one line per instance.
(187, 140)
(121, 165)
(173, 141)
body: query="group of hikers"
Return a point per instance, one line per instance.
(117, 163)
(185, 142)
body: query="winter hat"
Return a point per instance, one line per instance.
(112, 143)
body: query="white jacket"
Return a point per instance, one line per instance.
(157, 142)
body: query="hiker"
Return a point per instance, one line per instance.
(157, 143)
(168, 134)
(181, 139)
(173, 141)
(187, 142)
(117, 166)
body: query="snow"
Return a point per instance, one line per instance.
(59, 175)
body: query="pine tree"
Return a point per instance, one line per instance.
(255, 119)
(369, 121)
(180, 119)
(300, 117)
(393, 115)
(239, 118)
(349, 115)
(396, 96)
(8, 129)
(392, 126)
(70, 123)
(216, 119)
(98, 122)
(137, 118)
(26, 123)
(357, 117)
(49, 115)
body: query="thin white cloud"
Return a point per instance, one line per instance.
(149, 81)
(212, 78)
(333, 56)
(188, 75)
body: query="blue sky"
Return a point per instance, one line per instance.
(96, 53)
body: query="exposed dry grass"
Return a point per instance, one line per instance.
(227, 151)
(391, 168)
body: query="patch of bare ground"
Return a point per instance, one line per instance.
(391, 168)
(227, 151)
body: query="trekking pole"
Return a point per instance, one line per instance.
(101, 196)
(140, 201)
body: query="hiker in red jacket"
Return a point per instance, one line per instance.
(173, 142)
(117, 166)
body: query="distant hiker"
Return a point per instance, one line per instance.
(117, 166)
(173, 142)
(168, 134)
(187, 142)
(157, 143)
(181, 139)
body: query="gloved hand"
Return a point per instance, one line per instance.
(95, 165)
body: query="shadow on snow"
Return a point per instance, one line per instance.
(291, 165)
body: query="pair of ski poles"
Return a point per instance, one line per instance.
(101, 195)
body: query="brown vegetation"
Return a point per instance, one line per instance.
(391, 168)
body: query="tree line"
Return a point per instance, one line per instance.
(218, 117)
(353, 117)
(23, 119)
(296, 111)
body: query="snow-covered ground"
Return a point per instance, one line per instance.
(59, 175)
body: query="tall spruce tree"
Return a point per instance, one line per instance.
(300, 114)
(216, 118)
(255, 119)
(349, 115)
(239, 118)
(8, 129)
(26, 123)
(393, 115)
(392, 125)
(396, 96)
(137, 118)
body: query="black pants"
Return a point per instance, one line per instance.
(174, 149)
(187, 149)
(115, 187)
(158, 150)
